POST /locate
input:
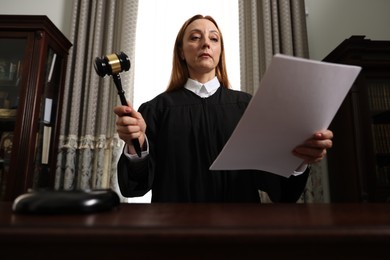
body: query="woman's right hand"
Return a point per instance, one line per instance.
(130, 125)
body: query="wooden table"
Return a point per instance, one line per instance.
(194, 231)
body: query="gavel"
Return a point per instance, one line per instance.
(113, 64)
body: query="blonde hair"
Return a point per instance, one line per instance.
(180, 74)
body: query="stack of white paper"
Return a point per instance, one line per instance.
(295, 98)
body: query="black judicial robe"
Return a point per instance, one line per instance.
(185, 134)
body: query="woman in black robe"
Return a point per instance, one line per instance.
(182, 130)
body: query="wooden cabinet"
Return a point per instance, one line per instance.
(359, 162)
(33, 56)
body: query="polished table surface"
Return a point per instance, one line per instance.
(191, 231)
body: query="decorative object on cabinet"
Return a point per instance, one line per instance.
(33, 56)
(359, 162)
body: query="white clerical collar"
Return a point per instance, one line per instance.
(203, 90)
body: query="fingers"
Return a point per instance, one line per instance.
(129, 123)
(129, 119)
(322, 135)
(123, 110)
(320, 140)
(310, 155)
(315, 148)
(128, 128)
(319, 144)
(128, 132)
(127, 116)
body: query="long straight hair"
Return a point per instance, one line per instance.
(180, 74)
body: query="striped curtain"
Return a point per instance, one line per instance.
(268, 27)
(89, 146)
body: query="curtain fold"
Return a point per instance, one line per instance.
(268, 27)
(89, 146)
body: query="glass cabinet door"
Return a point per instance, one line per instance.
(33, 58)
(12, 52)
(47, 119)
(379, 104)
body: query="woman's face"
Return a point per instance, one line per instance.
(201, 49)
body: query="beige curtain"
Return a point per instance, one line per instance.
(89, 145)
(268, 27)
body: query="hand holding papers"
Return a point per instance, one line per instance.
(296, 98)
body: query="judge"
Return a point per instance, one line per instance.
(182, 130)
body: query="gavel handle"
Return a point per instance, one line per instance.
(121, 93)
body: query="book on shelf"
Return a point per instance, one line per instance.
(53, 61)
(46, 144)
(381, 135)
(379, 95)
(47, 110)
(9, 70)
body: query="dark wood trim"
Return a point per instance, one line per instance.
(195, 231)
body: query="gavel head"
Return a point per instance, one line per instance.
(112, 64)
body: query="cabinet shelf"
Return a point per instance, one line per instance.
(382, 117)
(7, 114)
(28, 44)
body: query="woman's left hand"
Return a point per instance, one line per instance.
(315, 148)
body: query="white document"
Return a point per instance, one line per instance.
(296, 98)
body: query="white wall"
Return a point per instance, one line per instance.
(58, 11)
(329, 22)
